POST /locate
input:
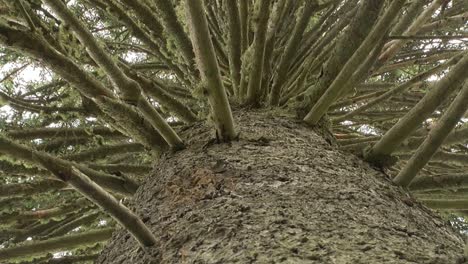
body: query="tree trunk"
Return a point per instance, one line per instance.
(280, 194)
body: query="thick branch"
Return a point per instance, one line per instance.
(175, 30)
(433, 98)
(340, 82)
(112, 206)
(435, 138)
(130, 89)
(400, 88)
(30, 188)
(62, 133)
(208, 66)
(104, 151)
(255, 75)
(124, 186)
(290, 49)
(54, 244)
(234, 42)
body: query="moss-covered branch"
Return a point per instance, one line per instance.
(30, 188)
(69, 226)
(130, 89)
(104, 151)
(208, 66)
(435, 138)
(258, 51)
(62, 133)
(234, 42)
(434, 97)
(112, 206)
(174, 28)
(341, 81)
(117, 184)
(55, 244)
(400, 88)
(291, 48)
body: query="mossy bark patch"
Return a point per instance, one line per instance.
(280, 194)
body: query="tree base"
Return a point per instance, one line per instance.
(280, 194)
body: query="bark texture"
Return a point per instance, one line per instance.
(280, 194)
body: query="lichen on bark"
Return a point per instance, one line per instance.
(279, 194)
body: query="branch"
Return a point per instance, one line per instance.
(8, 218)
(22, 105)
(429, 37)
(400, 88)
(257, 60)
(440, 182)
(155, 89)
(155, 46)
(174, 29)
(425, 107)
(118, 211)
(62, 133)
(234, 42)
(67, 172)
(435, 138)
(30, 188)
(67, 227)
(124, 168)
(72, 259)
(208, 66)
(42, 228)
(339, 83)
(459, 204)
(346, 44)
(130, 89)
(244, 22)
(55, 244)
(113, 111)
(117, 184)
(104, 151)
(394, 46)
(291, 48)
(411, 62)
(36, 46)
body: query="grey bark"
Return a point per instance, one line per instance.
(277, 195)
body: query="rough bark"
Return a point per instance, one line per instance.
(279, 194)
